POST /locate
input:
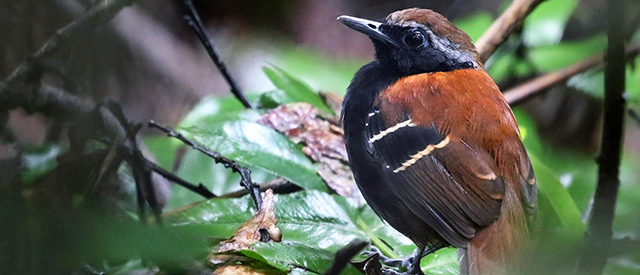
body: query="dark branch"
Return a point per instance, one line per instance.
(510, 20)
(599, 232)
(525, 90)
(278, 185)
(245, 173)
(193, 19)
(344, 255)
(200, 189)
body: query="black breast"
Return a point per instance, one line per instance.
(358, 104)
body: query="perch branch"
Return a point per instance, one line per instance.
(344, 255)
(199, 189)
(541, 83)
(193, 19)
(599, 232)
(244, 172)
(277, 185)
(500, 30)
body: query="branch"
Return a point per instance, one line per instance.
(599, 232)
(199, 189)
(344, 255)
(525, 90)
(500, 30)
(195, 23)
(278, 185)
(96, 16)
(245, 173)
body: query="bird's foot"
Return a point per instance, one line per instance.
(404, 263)
(408, 264)
(390, 271)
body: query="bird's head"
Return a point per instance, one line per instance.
(415, 41)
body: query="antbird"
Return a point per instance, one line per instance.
(434, 146)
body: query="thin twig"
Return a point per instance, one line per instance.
(541, 83)
(599, 232)
(199, 189)
(245, 173)
(274, 185)
(344, 255)
(195, 23)
(500, 30)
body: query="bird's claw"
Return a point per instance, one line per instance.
(406, 263)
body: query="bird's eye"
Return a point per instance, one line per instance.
(414, 39)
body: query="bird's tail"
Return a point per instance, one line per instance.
(497, 247)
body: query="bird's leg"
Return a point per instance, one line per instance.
(387, 260)
(415, 265)
(411, 263)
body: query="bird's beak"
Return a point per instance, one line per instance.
(368, 27)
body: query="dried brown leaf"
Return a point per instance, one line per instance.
(323, 141)
(248, 233)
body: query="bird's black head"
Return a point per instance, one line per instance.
(415, 41)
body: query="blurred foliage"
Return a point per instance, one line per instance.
(315, 223)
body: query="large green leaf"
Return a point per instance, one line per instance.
(313, 219)
(211, 106)
(237, 136)
(546, 24)
(288, 255)
(558, 196)
(293, 90)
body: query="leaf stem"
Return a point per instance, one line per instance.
(384, 248)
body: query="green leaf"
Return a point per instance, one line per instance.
(288, 255)
(313, 219)
(211, 106)
(558, 196)
(294, 89)
(37, 161)
(592, 82)
(275, 98)
(196, 168)
(476, 24)
(214, 218)
(551, 58)
(326, 73)
(163, 149)
(546, 24)
(237, 136)
(443, 262)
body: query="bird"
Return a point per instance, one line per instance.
(434, 146)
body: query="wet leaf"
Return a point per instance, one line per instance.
(237, 136)
(288, 255)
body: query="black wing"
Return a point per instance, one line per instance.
(448, 184)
